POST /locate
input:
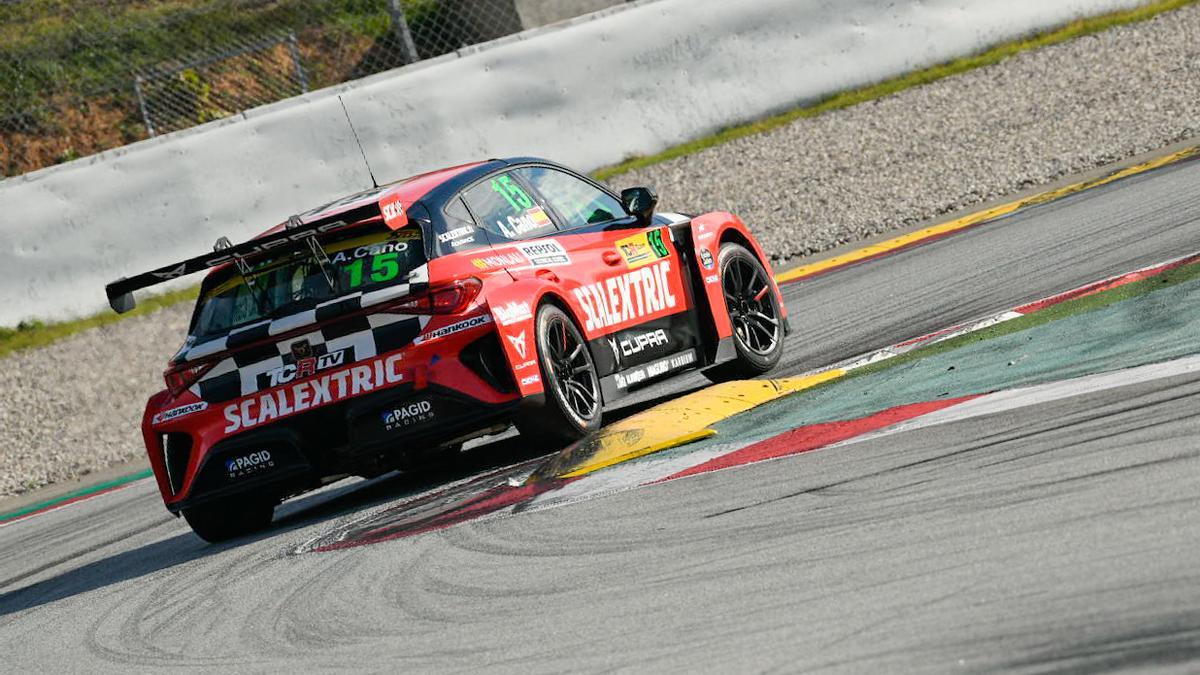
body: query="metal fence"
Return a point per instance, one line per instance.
(82, 76)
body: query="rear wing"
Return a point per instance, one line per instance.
(120, 292)
(296, 233)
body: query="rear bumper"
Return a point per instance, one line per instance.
(292, 455)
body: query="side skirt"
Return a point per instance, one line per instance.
(623, 382)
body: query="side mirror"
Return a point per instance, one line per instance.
(640, 202)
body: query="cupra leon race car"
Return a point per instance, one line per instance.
(393, 325)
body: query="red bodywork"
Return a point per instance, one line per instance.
(604, 287)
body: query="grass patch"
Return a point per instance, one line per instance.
(854, 97)
(34, 334)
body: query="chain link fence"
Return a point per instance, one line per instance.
(81, 76)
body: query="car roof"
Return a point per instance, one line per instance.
(410, 190)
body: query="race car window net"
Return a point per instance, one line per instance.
(302, 277)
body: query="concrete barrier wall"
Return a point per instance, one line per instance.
(633, 80)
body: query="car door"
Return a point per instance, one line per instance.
(625, 281)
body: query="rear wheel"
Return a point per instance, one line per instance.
(754, 311)
(229, 519)
(572, 401)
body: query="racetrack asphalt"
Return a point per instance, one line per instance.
(1057, 536)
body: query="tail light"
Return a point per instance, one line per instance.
(181, 377)
(449, 298)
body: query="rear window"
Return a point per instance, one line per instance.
(295, 282)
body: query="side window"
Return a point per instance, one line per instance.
(506, 210)
(458, 213)
(460, 232)
(579, 202)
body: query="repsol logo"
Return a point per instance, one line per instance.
(627, 297)
(548, 253)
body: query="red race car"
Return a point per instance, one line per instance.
(398, 323)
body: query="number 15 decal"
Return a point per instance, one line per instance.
(517, 199)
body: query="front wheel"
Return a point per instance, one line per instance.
(229, 519)
(754, 311)
(572, 400)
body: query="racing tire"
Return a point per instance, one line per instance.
(227, 520)
(754, 311)
(573, 405)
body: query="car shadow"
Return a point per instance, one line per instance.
(331, 503)
(326, 505)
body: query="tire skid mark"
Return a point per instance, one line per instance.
(532, 490)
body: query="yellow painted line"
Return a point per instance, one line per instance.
(638, 450)
(977, 218)
(674, 423)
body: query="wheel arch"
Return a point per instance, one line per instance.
(736, 233)
(533, 293)
(551, 296)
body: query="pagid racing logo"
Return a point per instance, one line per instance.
(245, 465)
(408, 415)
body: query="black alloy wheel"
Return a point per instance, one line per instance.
(573, 403)
(754, 311)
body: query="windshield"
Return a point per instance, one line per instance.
(295, 281)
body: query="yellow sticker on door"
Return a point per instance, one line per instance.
(643, 248)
